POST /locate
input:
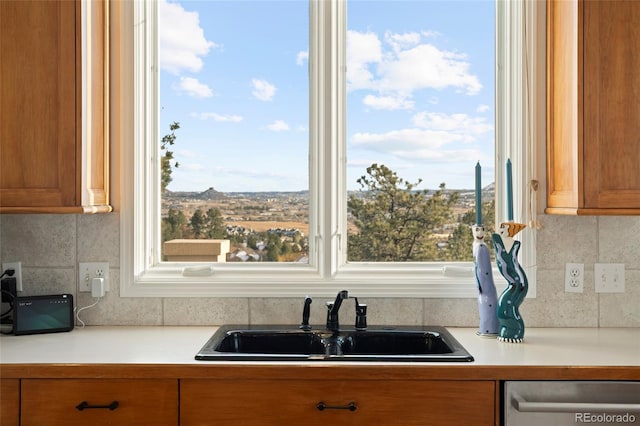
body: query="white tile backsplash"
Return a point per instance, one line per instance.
(50, 247)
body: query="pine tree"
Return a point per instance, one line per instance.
(395, 221)
(166, 159)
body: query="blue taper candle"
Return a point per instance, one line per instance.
(509, 192)
(478, 194)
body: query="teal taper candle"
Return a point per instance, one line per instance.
(509, 192)
(478, 194)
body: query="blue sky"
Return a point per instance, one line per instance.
(420, 81)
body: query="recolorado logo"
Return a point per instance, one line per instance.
(604, 418)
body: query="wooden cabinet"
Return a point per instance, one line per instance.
(9, 402)
(54, 106)
(593, 107)
(337, 402)
(68, 402)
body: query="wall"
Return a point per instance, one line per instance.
(50, 247)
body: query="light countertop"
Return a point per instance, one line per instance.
(603, 347)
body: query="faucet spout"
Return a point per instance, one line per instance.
(332, 310)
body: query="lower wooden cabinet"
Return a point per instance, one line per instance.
(70, 402)
(9, 402)
(336, 402)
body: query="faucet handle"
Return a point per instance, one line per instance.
(361, 316)
(305, 314)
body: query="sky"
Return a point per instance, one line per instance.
(420, 91)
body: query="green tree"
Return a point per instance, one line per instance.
(166, 159)
(173, 226)
(198, 223)
(394, 221)
(214, 225)
(461, 241)
(274, 247)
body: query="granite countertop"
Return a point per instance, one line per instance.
(177, 345)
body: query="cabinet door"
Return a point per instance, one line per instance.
(612, 104)
(564, 106)
(54, 106)
(372, 402)
(69, 402)
(593, 105)
(9, 402)
(38, 103)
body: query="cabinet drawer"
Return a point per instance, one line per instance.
(9, 402)
(139, 402)
(376, 402)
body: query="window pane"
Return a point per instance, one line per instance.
(420, 115)
(234, 114)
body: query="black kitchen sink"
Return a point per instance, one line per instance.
(289, 343)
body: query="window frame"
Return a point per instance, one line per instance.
(327, 271)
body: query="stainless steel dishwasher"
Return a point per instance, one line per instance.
(558, 403)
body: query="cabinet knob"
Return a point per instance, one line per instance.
(352, 406)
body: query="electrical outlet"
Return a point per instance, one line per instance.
(90, 270)
(609, 277)
(17, 266)
(574, 278)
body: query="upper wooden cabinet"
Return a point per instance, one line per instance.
(593, 107)
(54, 149)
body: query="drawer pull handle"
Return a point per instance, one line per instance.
(84, 405)
(350, 406)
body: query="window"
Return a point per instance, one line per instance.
(330, 89)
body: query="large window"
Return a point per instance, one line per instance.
(320, 145)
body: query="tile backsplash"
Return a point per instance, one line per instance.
(51, 246)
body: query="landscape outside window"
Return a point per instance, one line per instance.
(234, 120)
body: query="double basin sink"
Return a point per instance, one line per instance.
(290, 343)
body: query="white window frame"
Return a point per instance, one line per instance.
(518, 129)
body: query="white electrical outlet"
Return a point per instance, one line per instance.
(574, 278)
(17, 266)
(609, 277)
(90, 270)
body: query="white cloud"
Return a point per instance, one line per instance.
(387, 102)
(302, 57)
(402, 65)
(400, 42)
(430, 33)
(416, 144)
(182, 40)
(461, 124)
(263, 90)
(405, 140)
(278, 126)
(192, 87)
(483, 108)
(431, 138)
(217, 117)
(362, 49)
(425, 66)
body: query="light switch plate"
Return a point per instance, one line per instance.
(609, 277)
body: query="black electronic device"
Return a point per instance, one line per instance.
(43, 314)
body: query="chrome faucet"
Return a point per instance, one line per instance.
(332, 310)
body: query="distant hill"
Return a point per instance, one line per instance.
(209, 194)
(212, 194)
